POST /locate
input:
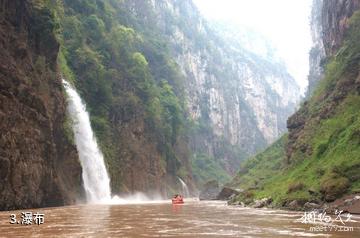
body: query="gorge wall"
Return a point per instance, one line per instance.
(35, 153)
(318, 160)
(328, 29)
(168, 96)
(237, 99)
(317, 53)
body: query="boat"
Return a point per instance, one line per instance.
(177, 199)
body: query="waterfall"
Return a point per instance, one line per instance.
(185, 189)
(94, 174)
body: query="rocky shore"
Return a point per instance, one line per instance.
(245, 198)
(349, 203)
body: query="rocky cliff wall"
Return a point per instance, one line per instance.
(35, 155)
(243, 98)
(317, 56)
(335, 22)
(233, 101)
(329, 22)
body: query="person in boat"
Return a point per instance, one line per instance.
(178, 197)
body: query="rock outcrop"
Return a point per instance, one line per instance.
(262, 203)
(227, 193)
(317, 55)
(329, 22)
(335, 21)
(36, 155)
(349, 203)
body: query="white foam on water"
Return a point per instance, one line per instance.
(135, 198)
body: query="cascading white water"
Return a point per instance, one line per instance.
(185, 188)
(94, 174)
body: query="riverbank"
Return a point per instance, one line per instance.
(348, 203)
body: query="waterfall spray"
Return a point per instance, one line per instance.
(94, 174)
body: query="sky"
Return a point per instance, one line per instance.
(285, 22)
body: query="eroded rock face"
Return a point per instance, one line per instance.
(317, 53)
(242, 97)
(329, 21)
(335, 21)
(38, 164)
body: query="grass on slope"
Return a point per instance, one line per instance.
(334, 166)
(332, 130)
(206, 168)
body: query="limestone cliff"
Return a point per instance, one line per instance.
(329, 22)
(238, 98)
(167, 94)
(35, 154)
(335, 22)
(317, 54)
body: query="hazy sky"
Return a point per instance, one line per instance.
(284, 22)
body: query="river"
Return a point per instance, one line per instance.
(162, 219)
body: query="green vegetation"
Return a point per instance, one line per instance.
(254, 171)
(216, 164)
(206, 169)
(329, 166)
(124, 73)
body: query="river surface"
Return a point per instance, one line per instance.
(162, 219)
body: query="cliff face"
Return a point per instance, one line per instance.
(329, 22)
(167, 94)
(335, 21)
(133, 92)
(35, 156)
(319, 159)
(317, 54)
(238, 98)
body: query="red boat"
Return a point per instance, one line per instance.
(177, 199)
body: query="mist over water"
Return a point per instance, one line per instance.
(135, 198)
(94, 174)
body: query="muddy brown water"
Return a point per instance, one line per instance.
(162, 219)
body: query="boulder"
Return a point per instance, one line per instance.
(294, 205)
(311, 206)
(210, 191)
(227, 193)
(262, 202)
(349, 203)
